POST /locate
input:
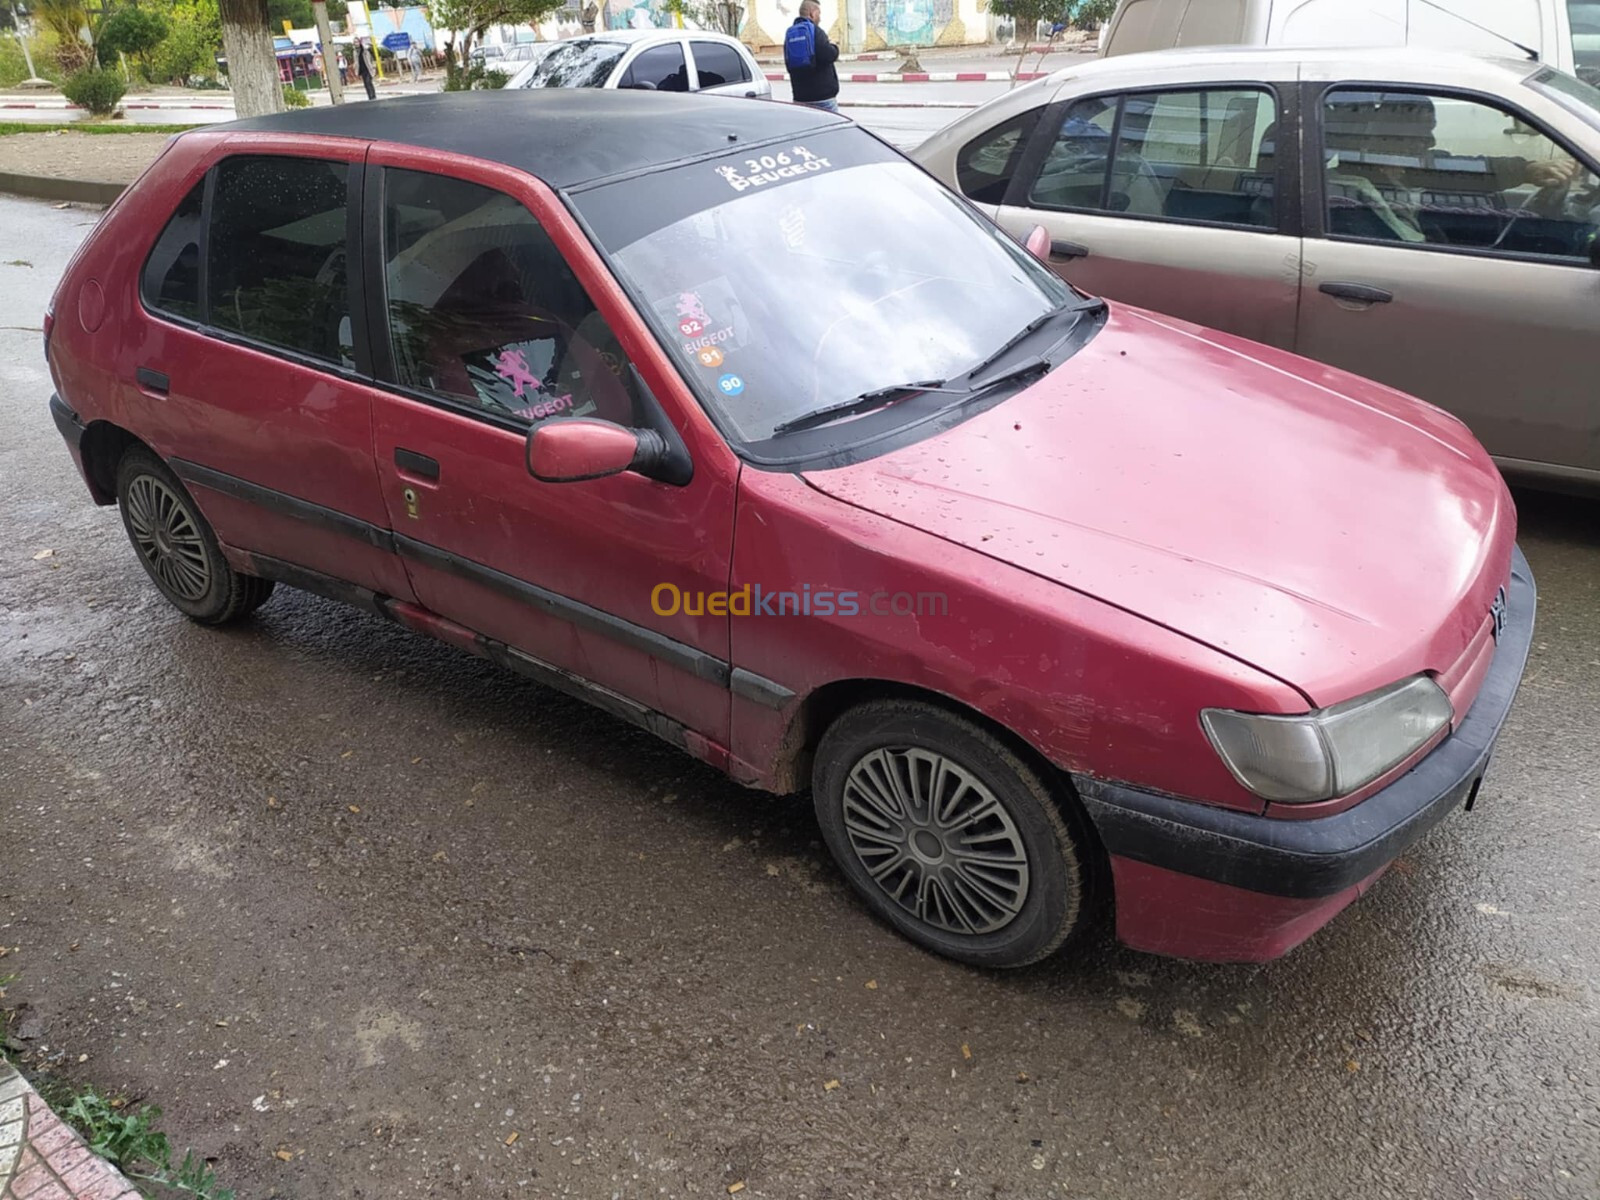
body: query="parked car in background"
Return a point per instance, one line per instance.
(1426, 219)
(729, 419)
(1558, 33)
(664, 60)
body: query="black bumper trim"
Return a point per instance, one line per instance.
(1320, 857)
(66, 421)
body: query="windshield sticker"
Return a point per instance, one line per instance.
(792, 224)
(708, 318)
(771, 168)
(512, 365)
(730, 385)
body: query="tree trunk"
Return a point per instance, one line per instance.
(252, 65)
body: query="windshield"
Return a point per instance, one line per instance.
(1575, 95)
(583, 62)
(796, 277)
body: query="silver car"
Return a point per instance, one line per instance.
(667, 60)
(1426, 219)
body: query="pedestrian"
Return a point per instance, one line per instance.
(344, 69)
(414, 57)
(364, 69)
(809, 57)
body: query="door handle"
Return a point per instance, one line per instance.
(1358, 292)
(1068, 250)
(153, 381)
(750, 95)
(416, 464)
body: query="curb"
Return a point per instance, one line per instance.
(41, 1158)
(46, 187)
(927, 77)
(153, 107)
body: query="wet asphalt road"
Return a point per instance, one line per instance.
(542, 922)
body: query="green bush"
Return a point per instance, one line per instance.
(14, 66)
(97, 89)
(293, 97)
(476, 77)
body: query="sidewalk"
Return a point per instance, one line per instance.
(41, 1158)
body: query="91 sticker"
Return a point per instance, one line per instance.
(772, 168)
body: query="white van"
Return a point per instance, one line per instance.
(1561, 33)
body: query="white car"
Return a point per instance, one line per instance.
(665, 60)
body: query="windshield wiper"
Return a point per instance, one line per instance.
(864, 403)
(1093, 304)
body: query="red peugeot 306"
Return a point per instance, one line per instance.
(731, 420)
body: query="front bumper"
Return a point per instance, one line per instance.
(1203, 882)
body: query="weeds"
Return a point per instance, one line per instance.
(130, 1141)
(124, 1136)
(7, 128)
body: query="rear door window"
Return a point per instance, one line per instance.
(1206, 156)
(660, 67)
(276, 262)
(170, 283)
(719, 64)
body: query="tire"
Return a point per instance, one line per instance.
(176, 546)
(1000, 884)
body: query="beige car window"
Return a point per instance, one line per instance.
(1205, 155)
(1438, 170)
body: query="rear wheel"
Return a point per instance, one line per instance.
(949, 835)
(176, 546)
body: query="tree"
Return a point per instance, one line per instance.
(252, 65)
(472, 17)
(131, 31)
(68, 21)
(725, 16)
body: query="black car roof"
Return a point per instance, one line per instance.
(564, 136)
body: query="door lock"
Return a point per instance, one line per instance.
(410, 497)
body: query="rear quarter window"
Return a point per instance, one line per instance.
(985, 165)
(170, 283)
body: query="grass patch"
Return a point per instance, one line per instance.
(124, 1135)
(9, 127)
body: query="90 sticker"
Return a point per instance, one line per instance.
(771, 168)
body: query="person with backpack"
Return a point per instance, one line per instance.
(809, 57)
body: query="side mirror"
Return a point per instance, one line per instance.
(1038, 243)
(641, 85)
(575, 450)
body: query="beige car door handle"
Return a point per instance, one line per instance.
(1358, 292)
(1068, 250)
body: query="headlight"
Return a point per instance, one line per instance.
(1333, 751)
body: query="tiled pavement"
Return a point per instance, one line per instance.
(42, 1159)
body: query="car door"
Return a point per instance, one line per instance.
(660, 67)
(485, 298)
(253, 360)
(1173, 199)
(1441, 269)
(722, 70)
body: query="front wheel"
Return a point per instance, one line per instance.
(949, 835)
(176, 546)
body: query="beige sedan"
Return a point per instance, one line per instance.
(1425, 219)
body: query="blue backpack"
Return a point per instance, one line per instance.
(800, 46)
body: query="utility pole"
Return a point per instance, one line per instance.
(330, 52)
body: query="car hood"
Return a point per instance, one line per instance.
(1325, 529)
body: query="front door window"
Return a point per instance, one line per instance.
(1448, 171)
